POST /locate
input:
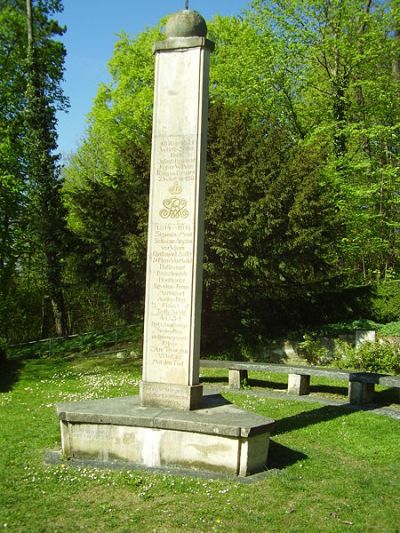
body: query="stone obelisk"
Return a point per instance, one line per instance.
(172, 425)
(176, 216)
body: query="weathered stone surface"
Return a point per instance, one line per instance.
(215, 415)
(360, 393)
(172, 425)
(362, 336)
(186, 23)
(217, 437)
(180, 43)
(176, 225)
(298, 384)
(237, 378)
(170, 395)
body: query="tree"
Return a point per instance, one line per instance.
(47, 222)
(12, 89)
(300, 203)
(338, 58)
(31, 235)
(271, 229)
(107, 180)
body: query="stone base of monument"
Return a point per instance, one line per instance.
(217, 437)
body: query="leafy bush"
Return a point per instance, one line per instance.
(348, 326)
(382, 356)
(392, 328)
(386, 304)
(313, 351)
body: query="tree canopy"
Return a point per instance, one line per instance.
(302, 203)
(32, 217)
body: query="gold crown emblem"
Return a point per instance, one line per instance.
(175, 189)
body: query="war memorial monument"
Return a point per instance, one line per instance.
(172, 424)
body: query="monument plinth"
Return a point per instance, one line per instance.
(171, 424)
(176, 216)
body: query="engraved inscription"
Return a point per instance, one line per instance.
(176, 158)
(159, 391)
(170, 289)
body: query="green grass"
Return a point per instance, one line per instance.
(333, 469)
(87, 342)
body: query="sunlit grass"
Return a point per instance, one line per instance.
(331, 468)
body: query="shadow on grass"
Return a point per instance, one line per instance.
(387, 396)
(329, 389)
(9, 373)
(250, 382)
(316, 416)
(323, 389)
(280, 456)
(214, 379)
(267, 384)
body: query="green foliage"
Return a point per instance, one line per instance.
(302, 205)
(45, 65)
(290, 224)
(275, 222)
(382, 356)
(346, 98)
(392, 328)
(271, 229)
(313, 351)
(32, 235)
(386, 304)
(348, 326)
(107, 181)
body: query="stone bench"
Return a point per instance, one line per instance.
(361, 385)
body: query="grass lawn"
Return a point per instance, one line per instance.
(332, 469)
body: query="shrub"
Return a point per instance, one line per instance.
(348, 326)
(392, 328)
(386, 304)
(345, 355)
(313, 351)
(382, 356)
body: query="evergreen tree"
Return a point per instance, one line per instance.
(47, 223)
(32, 227)
(12, 185)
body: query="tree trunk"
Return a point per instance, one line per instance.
(29, 21)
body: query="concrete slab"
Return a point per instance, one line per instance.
(215, 416)
(55, 458)
(217, 437)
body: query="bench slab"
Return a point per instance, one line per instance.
(361, 384)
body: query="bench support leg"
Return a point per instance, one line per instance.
(237, 378)
(298, 384)
(360, 393)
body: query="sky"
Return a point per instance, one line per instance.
(92, 28)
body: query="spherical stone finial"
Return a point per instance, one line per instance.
(186, 23)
